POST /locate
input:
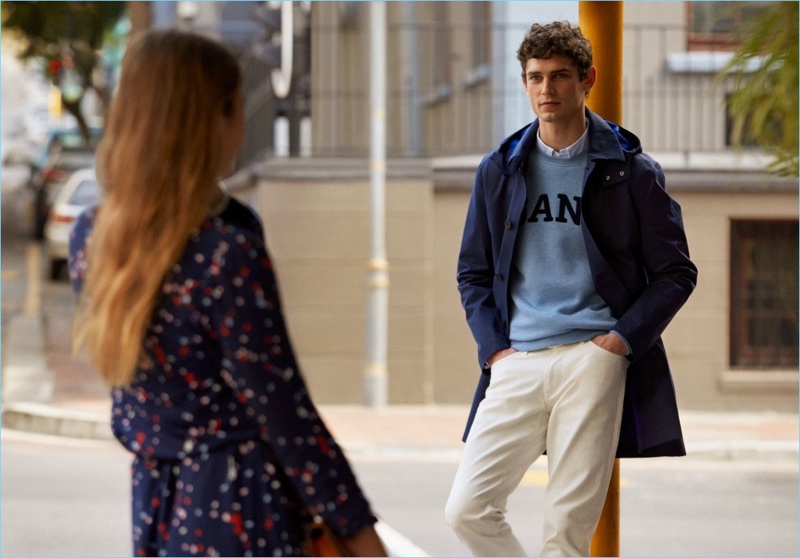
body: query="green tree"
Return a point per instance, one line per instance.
(764, 105)
(68, 37)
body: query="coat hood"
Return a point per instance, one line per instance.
(607, 140)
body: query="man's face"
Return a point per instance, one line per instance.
(556, 92)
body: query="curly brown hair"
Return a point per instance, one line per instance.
(559, 38)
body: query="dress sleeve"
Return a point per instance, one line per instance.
(78, 241)
(259, 365)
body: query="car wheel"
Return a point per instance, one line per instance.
(56, 269)
(39, 215)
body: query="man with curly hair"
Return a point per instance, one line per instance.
(572, 263)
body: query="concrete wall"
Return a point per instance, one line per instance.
(698, 340)
(316, 216)
(455, 355)
(317, 225)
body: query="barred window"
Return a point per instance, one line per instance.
(441, 45)
(481, 13)
(764, 287)
(713, 25)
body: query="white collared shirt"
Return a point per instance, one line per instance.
(575, 149)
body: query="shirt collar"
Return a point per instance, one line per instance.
(573, 150)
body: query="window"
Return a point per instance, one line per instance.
(764, 286)
(441, 46)
(481, 33)
(713, 25)
(481, 42)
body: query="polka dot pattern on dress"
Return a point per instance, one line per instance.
(230, 455)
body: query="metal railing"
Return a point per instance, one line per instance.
(450, 103)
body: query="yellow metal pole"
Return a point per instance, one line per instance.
(601, 23)
(606, 537)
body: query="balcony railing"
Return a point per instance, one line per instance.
(459, 102)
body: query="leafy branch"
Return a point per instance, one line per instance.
(764, 105)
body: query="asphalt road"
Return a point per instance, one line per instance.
(67, 497)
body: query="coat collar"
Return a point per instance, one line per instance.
(606, 141)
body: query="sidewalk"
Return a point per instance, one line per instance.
(74, 404)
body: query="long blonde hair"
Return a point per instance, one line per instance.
(157, 162)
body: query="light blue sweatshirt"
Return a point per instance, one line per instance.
(553, 299)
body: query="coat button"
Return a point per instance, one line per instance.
(622, 173)
(608, 178)
(507, 224)
(498, 276)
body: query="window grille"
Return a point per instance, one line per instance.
(764, 287)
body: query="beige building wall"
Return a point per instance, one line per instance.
(455, 355)
(317, 220)
(316, 216)
(698, 340)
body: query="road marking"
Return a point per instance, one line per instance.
(34, 287)
(539, 478)
(396, 543)
(534, 478)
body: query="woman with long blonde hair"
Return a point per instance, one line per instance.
(179, 312)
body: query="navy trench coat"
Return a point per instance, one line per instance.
(638, 254)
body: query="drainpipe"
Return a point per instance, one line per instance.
(412, 84)
(601, 23)
(375, 376)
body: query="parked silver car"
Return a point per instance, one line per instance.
(79, 192)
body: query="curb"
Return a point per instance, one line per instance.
(55, 420)
(740, 450)
(41, 418)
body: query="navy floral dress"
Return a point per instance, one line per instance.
(231, 457)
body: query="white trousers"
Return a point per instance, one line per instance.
(566, 400)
